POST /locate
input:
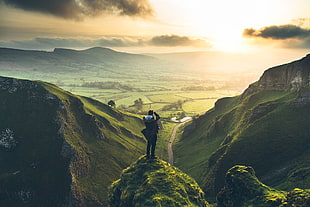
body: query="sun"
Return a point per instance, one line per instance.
(223, 21)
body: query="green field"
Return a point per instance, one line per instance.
(153, 97)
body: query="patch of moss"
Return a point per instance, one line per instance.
(153, 182)
(297, 198)
(243, 189)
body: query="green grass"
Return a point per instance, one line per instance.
(198, 106)
(153, 182)
(162, 90)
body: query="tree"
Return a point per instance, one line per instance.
(111, 103)
(138, 104)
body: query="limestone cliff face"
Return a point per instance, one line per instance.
(292, 75)
(289, 76)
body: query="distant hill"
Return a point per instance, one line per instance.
(266, 127)
(65, 59)
(59, 149)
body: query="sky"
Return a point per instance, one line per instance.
(157, 25)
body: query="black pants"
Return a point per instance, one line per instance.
(151, 144)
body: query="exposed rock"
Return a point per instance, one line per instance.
(289, 76)
(25, 195)
(67, 150)
(262, 109)
(285, 77)
(303, 97)
(7, 139)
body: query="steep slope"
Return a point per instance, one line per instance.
(243, 189)
(58, 149)
(153, 182)
(266, 127)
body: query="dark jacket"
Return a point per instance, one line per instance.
(151, 124)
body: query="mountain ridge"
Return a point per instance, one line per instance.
(62, 58)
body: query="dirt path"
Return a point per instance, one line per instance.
(174, 132)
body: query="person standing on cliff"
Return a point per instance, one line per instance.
(150, 132)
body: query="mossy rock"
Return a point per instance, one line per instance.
(242, 188)
(153, 182)
(297, 198)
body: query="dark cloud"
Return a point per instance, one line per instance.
(175, 40)
(281, 32)
(78, 9)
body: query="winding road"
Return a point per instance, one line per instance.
(174, 132)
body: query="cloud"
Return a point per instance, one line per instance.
(175, 40)
(288, 36)
(78, 9)
(281, 32)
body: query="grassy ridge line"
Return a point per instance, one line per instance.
(103, 158)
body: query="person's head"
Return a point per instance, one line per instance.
(150, 112)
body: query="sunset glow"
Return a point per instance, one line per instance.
(203, 24)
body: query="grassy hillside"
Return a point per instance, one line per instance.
(266, 127)
(58, 148)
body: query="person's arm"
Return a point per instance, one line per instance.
(157, 115)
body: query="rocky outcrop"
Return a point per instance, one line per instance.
(243, 189)
(286, 77)
(303, 97)
(262, 109)
(153, 182)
